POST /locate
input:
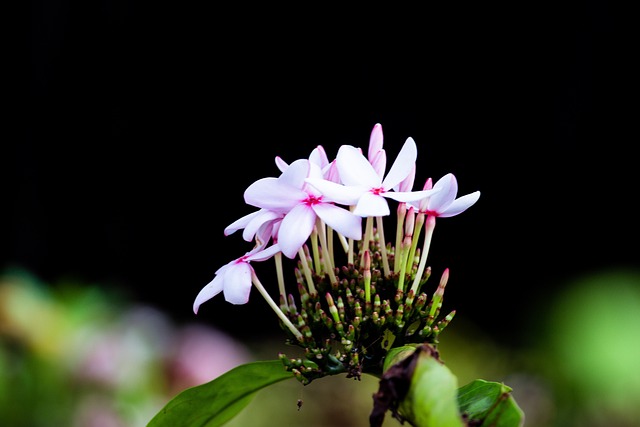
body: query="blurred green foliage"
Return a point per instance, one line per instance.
(78, 355)
(591, 349)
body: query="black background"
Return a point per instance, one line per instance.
(146, 122)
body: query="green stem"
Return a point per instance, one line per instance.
(428, 235)
(414, 242)
(307, 271)
(368, 234)
(402, 213)
(326, 257)
(280, 275)
(383, 246)
(274, 307)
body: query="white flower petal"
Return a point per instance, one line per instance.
(341, 220)
(212, 289)
(295, 174)
(319, 157)
(460, 205)
(281, 164)
(371, 205)
(295, 229)
(403, 164)
(237, 283)
(355, 169)
(448, 190)
(240, 223)
(338, 193)
(410, 196)
(264, 254)
(407, 183)
(262, 217)
(269, 193)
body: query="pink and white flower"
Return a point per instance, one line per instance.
(301, 205)
(364, 188)
(444, 203)
(234, 279)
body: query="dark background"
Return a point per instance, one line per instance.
(146, 122)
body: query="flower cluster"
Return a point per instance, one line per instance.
(346, 316)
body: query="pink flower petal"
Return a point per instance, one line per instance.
(375, 140)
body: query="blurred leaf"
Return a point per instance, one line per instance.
(489, 404)
(216, 402)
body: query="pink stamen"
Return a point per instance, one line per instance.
(313, 200)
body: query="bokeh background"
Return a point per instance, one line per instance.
(145, 122)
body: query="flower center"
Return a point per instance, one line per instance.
(313, 200)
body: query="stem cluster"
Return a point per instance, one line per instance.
(350, 317)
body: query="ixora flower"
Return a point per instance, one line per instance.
(301, 205)
(351, 309)
(444, 203)
(234, 279)
(364, 299)
(363, 186)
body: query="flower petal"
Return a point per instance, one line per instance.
(403, 164)
(295, 174)
(212, 289)
(237, 283)
(281, 164)
(460, 205)
(410, 196)
(379, 163)
(338, 193)
(375, 140)
(371, 205)
(448, 186)
(264, 254)
(269, 193)
(262, 217)
(341, 220)
(319, 157)
(407, 183)
(295, 229)
(330, 172)
(240, 223)
(355, 169)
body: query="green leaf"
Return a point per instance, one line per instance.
(489, 404)
(216, 402)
